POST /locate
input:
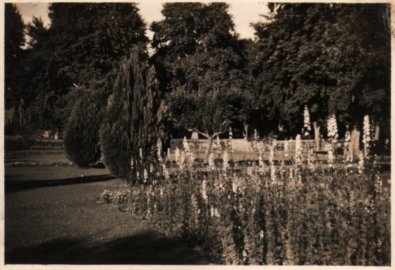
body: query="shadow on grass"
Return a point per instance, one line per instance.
(146, 248)
(13, 186)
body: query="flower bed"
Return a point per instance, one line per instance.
(287, 216)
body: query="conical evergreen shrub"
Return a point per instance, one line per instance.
(131, 126)
(81, 138)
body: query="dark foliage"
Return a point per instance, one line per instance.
(205, 67)
(332, 57)
(14, 40)
(132, 120)
(81, 137)
(83, 44)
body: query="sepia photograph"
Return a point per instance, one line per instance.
(197, 133)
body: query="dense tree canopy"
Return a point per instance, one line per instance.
(205, 67)
(92, 37)
(13, 53)
(84, 43)
(334, 58)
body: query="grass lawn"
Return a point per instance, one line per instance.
(52, 216)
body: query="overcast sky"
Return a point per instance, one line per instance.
(243, 13)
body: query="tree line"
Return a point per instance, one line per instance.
(94, 70)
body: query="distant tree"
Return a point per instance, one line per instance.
(209, 113)
(92, 37)
(204, 67)
(187, 29)
(332, 57)
(132, 121)
(13, 53)
(84, 43)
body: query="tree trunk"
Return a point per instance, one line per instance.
(210, 144)
(355, 143)
(317, 136)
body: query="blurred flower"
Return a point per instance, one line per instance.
(310, 159)
(159, 149)
(177, 155)
(225, 159)
(306, 121)
(298, 150)
(361, 163)
(273, 172)
(378, 184)
(332, 129)
(204, 191)
(366, 135)
(348, 148)
(211, 163)
(141, 153)
(145, 175)
(165, 172)
(331, 158)
(168, 153)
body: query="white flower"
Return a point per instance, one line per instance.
(298, 149)
(168, 153)
(261, 162)
(225, 159)
(230, 140)
(286, 148)
(165, 171)
(204, 191)
(177, 155)
(256, 136)
(211, 164)
(159, 149)
(331, 158)
(216, 212)
(361, 163)
(310, 159)
(235, 185)
(141, 153)
(332, 129)
(185, 145)
(306, 120)
(348, 148)
(182, 160)
(366, 135)
(191, 159)
(378, 184)
(151, 168)
(271, 155)
(145, 175)
(212, 213)
(273, 172)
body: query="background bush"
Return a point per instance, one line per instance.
(81, 138)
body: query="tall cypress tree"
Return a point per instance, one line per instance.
(131, 124)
